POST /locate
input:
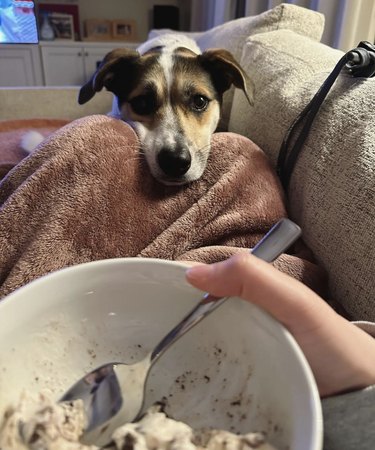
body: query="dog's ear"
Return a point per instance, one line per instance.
(225, 71)
(118, 60)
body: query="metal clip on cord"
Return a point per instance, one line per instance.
(359, 62)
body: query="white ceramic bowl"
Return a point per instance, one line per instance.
(238, 370)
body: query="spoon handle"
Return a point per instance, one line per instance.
(275, 242)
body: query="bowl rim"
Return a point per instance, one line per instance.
(314, 397)
(81, 267)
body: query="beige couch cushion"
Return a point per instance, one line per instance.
(52, 103)
(332, 190)
(232, 36)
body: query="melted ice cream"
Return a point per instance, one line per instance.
(41, 424)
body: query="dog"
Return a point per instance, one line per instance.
(171, 94)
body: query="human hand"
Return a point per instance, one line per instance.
(341, 356)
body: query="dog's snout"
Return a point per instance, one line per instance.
(174, 162)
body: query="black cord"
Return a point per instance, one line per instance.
(359, 62)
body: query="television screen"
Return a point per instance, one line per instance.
(18, 22)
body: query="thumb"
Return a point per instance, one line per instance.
(246, 276)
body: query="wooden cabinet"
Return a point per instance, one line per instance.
(20, 65)
(75, 63)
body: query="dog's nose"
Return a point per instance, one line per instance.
(174, 162)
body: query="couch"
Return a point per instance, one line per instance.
(332, 190)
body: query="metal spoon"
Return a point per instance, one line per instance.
(113, 394)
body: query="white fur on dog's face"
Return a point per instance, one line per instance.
(175, 84)
(170, 94)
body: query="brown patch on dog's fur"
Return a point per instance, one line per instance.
(191, 79)
(151, 82)
(120, 72)
(225, 71)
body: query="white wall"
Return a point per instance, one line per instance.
(138, 10)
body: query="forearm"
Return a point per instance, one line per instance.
(348, 361)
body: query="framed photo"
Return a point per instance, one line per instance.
(63, 9)
(124, 30)
(98, 30)
(63, 25)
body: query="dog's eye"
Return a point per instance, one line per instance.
(143, 104)
(199, 102)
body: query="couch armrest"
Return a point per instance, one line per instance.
(51, 103)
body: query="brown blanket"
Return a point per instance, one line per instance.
(87, 194)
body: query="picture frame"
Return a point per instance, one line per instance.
(63, 9)
(63, 26)
(98, 30)
(124, 30)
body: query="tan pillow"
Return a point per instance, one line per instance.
(232, 36)
(332, 190)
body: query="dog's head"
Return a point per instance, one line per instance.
(172, 98)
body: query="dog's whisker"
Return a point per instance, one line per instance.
(205, 147)
(135, 155)
(201, 154)
(133, 159)
(134, 151)
(132, 147)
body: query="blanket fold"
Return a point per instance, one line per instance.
(87, 194)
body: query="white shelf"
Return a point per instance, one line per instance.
(106, 44)
(53, 63)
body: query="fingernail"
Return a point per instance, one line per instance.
(199, 273)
